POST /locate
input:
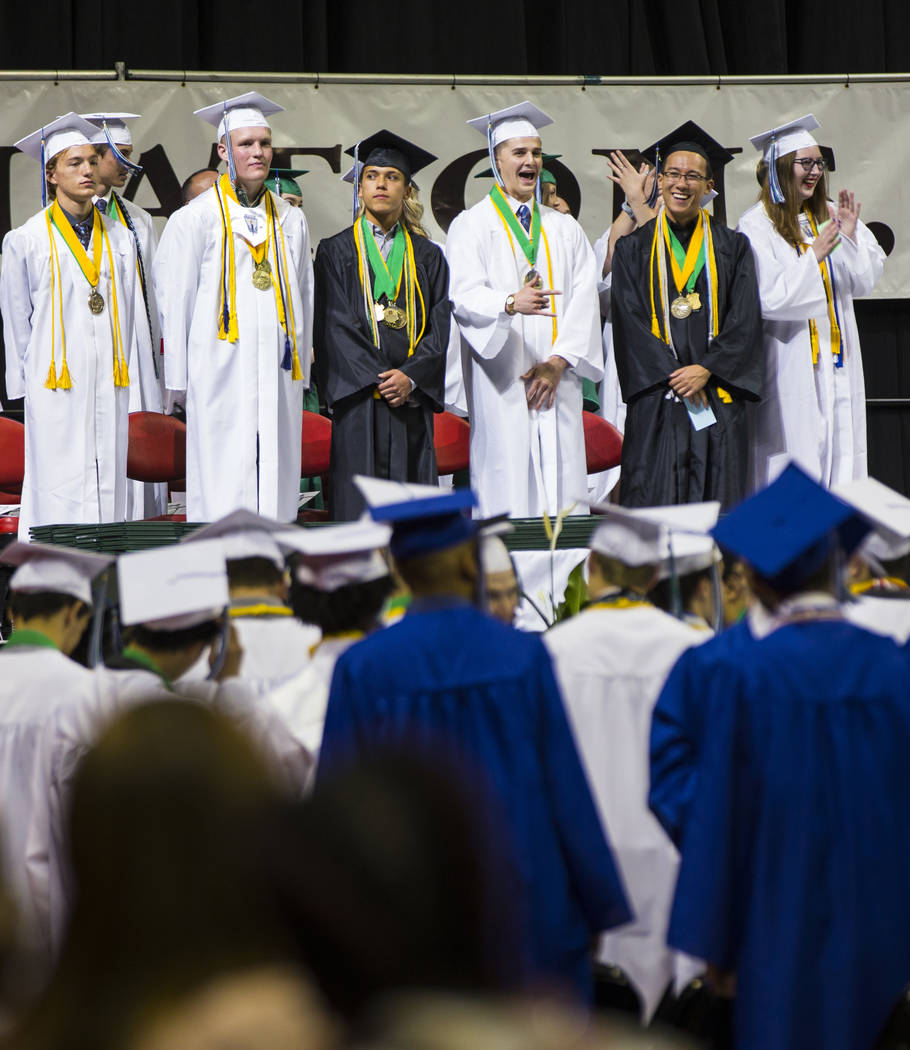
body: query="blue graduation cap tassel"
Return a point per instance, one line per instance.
(652, 197)
(286, 363)
(232, 168)
(124, 162)
(355, 205)
(538, 195)
(43, 172)
(492, 154)
(777, 194)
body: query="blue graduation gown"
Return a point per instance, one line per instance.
(458, 683)
(795, 869)
(677, 724)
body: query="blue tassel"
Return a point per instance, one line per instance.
(777, 194)
(286, 360)
(43, 172)
(356, 181)
(131, 167)
(492, 154)
(232, 169)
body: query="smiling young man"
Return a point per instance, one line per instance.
(381, 328)
(233, 281)
(523, 294)
(687, 337)
(69, 296)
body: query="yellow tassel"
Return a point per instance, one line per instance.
(51, 381)
(64, 382)
(124, 373)
(724, 396)
(296, 372)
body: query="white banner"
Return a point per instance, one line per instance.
(862, 122)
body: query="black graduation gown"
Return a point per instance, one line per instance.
(664, 459)
(369, 437)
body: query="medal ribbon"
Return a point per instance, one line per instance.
(837, 341)
(686, 264)
(528, 245)
(91, 270)
(386, 274)
(407, 271)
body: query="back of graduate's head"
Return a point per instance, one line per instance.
(394, 880)
(451, 571)
(256, 573)
(611, 572)
(351, 607)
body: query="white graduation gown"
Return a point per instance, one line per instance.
(244, 412)
(145, 500)
(888, 616)
(523, 461)
(301, 701)
(814, 414)
(76, 439)
(611, 665)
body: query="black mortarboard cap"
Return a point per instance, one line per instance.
(387, 150)
(690, 137)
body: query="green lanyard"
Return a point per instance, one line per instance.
(386, 273)
(528, 245)
(679, 253)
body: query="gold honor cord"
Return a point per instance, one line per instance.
(407, 275)
(91, 270)
(660, 296)
(829, 300)
(546, 244)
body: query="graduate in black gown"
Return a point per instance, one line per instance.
(687, 337)
(381, 328)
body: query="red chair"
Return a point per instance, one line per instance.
(603, 443)
(452, 441)
(315, 456)
(12, 460)
(156, 451)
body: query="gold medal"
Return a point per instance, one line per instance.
(395, 317)
(533, 278)
(694, 300)
(95, 302)
(262, 276)
(681, 308)
(378, 312)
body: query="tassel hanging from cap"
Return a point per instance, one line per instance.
(774, 186)
(655, 190)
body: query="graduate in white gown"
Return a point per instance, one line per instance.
(234, 282)
(611, 661)
(50, 602)
(813, 408)
(276, 644)
(341, 581)
(525, 351)
(114, 143)
(69, 297)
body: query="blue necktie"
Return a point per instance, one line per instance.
(524, 217)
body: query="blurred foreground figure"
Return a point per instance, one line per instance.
(168, 813)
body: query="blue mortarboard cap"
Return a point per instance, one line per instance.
(788, 530)
(424, 518)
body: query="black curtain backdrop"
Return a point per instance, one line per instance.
(532, 37)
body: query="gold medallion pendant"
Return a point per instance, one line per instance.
(379, 312)
(95, 302)
(680, 308)
(694, 300)
(395, 317)
(533, 278)
(262, 275)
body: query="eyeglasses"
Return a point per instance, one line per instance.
(808, 163)
(688, 177)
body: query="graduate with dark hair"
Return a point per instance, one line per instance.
(687, 337)
(381, 327)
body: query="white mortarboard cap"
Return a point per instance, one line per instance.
(687, 547)
(494, 553)
(245, 534)
(249, 110)
(59, 134)
(629, 538)
(787, 138)
(119, 132)
(521, 121)
(336, 555)
(886, 510)
(173, 588)
(43, 567)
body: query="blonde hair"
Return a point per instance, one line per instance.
(785, 217)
